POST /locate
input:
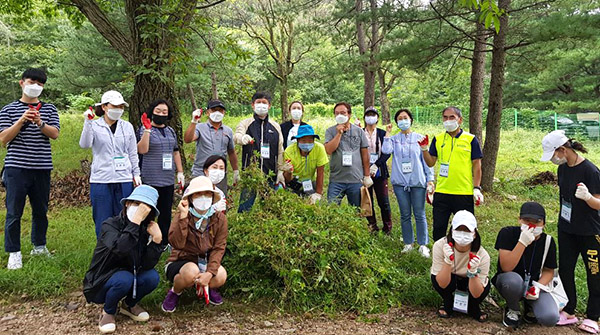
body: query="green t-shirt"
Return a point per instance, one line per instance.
(305, 167)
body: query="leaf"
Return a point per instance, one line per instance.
(496, 23)
(488, 19)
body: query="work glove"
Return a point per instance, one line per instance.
(315, 197)
(473, 265)
(196, 115)
(221, 206)
(448, 253)
(89, 114)
(582, 192)
(477, 197)
(424, 143)
(533, 293)
(180, 179)
(236, 177)
(146, 121)
(373, 170)
(137, 181)
(527, 237)
(288, 167)
(280, 178)
(430, 192)
(246, 139)
(367, 181)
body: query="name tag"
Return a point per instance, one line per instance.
(307, 186)
(373, 158)
(265, 151)
(406, 167)
(461, 301)
(167, 162)
(565, 211)
(526, 283)
(120, 163)
(346, 158)
(444, 170)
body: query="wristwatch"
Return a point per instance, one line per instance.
(41, 125)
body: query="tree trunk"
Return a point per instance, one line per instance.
(283, 98)
(477, 81)
(383, 97)
(213, 85)
(494, 117)
(364, 51)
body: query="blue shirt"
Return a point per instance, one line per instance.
(405, 148)
(475, 148)
(162, 141)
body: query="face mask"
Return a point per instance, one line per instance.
(462, 237)
(33, 90)
(370, 119)
(159, 119)
(558, 161)
(404, 124)
(216, 175)
(131, 211)
(296, 114)
(261, 109)
(450, 125)
(306, 147)
(341, 119)
(537, 231)
(202, 203)
(216, 117)
(114, 113)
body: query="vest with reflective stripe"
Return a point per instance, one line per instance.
(457, 153)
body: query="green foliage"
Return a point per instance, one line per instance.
(79, 102)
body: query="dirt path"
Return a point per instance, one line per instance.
(77, 317)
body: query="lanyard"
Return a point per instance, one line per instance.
(531, 261)
(451, 148)
(112, 138)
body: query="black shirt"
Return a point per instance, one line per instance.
(584, 219)
(531, 261)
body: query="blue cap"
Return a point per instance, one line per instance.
(305, 130)
(146, 194)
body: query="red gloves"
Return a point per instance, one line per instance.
(424, 143)
(146, 121)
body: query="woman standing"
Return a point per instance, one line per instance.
(115, 158)
(160, 157)
(289, 129)
(578, 224)
(410, 178)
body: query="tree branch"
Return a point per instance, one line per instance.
(210, 4)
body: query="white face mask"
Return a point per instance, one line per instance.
(131, 211)
(370, 119)
(216, 116)
(462, 237)
(202, 203)
(33, 90)
(537, 231)
(450, 125)
(558, 161)
(341, 118)
(114, 113)
(261, 109)
(216, 175)
(296, 114)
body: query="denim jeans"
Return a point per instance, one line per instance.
(22, 183)
(248, 197)
(106, 201)
(120, 285)
(336, 191)
(412, 200)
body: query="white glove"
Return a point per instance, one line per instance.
(280, 178)
(196, 115)
(247, 139)
(526, 237)
(288, 167)
(221, 206)
(473, 265)
(367, 181)
(373, 170)
(477, 197)
(236, 177)
(180, 179)
(448, 253)
(88, 115)
(315, 197)
(582, 192)
(137, 181)
(533, 293)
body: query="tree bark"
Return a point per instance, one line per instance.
(283, 98)
(477, 83)
(494, 117)
(384, 88)
(213, 85)
(367, 57)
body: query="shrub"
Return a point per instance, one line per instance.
(79, 102)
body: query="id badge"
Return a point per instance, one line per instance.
(346, 158)
(406, 167)
(202, 265)
(265, 151)
(373, 157)
(307, 186)
(167, 162)
(120, 163)
(461, 301)
(565, 210)
(444, 169)
(526, 283)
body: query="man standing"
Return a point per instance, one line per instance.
(349, 166)
(26, 127)
(459, 176)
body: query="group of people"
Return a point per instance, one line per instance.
(134, 175)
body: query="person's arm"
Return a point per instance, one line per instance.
(476, 172)
(144, 144)
(546, 277)
(233, 159)
(364, 155)
(190, 133)
(219, 245)
(476, 287)
(132, 152)
(334, 143)
(48, 130)
(179, 226)
(444, 277)
(11, 132)
(177, 159)
(429, 151)
(86, 140)
(240, 131)
(320, 179)
(509, 259)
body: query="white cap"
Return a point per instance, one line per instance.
(114, 98)
(552, 142)
(464, 218)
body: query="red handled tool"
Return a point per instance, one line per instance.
(451, 246)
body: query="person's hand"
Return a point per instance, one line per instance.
(221, 206)
(424, 143)
(137, 181)
(477, 197)
(527, 237)
(203, 278)
(183, 209)
(196, 115)
(473, 265)
(533, 293)
(430, 192)
(315, 197)
(388, 130)
(357, 123)
(582, 192)
(141, 213)
(341, 128)
(247, 139)
(288, 167)
(367, 181)
(89, 114)
(28, 115)
(236, 177)
(154, 231)
(180, 180)
(448, 253)
(373, 170)
(146, 121)
(280, 178)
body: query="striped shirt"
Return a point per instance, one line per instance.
(162, 141)
(30, 149)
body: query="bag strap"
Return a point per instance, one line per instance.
(546, 248)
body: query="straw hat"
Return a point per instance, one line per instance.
(201, 184)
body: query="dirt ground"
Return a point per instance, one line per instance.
(73, 316)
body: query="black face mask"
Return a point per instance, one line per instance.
(159, 119)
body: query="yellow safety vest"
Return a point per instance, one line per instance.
(456, 152)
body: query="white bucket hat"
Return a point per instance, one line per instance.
(201, 184)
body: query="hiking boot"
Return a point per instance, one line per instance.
(15, 261)
(136, 313)
(107, 323)
(170, 303)
(424, 251)
(214, 297)
(511, 318)
(40, 250)
(407, 248)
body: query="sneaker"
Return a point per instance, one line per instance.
(15, 260)
(511, 318)
(424, 251)
(214, 297)
(107, 323)
(170, 302)
(40, 250)
(136, 313)
(407, 248)
(528, 315)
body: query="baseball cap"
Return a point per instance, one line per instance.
(114, 98)
(532, 210)
(371, 109)
(551, 142)
(464, 218)
(215, 103)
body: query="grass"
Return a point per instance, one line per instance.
(71, 230)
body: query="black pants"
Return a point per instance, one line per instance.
(443, 206)
(165, 206)
(380, 186)
(571, 246)
(460, 283)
